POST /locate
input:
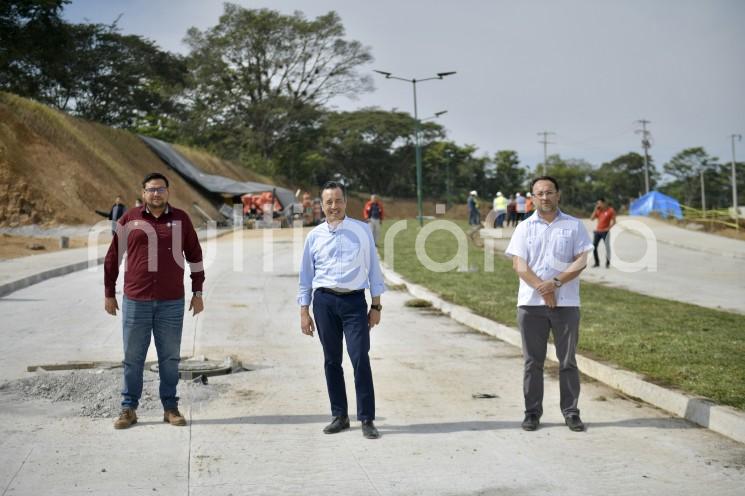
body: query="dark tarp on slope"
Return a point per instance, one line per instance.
(210, 182)
(654, 201)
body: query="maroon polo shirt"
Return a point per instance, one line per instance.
(156, 249)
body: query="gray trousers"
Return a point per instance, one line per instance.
(375, 228)
(535, 323)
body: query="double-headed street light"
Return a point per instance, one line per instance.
(413, 81)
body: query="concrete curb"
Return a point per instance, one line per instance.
(721, 419)
(24, 282)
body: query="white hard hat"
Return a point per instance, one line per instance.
(529, 195)
(499, 193)
(474, 192)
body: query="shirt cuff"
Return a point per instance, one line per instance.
(303, 299)
(377, 290)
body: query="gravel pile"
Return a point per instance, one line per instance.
(99, 391)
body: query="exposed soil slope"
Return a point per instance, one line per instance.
(56, 169)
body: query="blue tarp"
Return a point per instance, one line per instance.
(654, 201)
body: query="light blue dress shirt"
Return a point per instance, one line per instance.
(342, 258)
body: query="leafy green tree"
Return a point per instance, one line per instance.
(260, 78)
(574, 177)
(507, 176)
(685, 168)
(34, 41)
(449, 170)
(124, 80)
(374, 149)
(622, 179)
(89, 70)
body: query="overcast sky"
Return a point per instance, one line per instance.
(583, 69)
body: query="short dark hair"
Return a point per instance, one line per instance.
(154, 175)
(602, 199)
(334, 185)
(544, 178)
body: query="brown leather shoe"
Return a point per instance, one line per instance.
(127, 418)
(174, 417)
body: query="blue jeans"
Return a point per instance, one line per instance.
(500, 219)
(165, 320)
(474, 217)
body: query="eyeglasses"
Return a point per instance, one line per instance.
(160, 190)
(544, 193)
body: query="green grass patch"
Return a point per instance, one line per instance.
(696, 349)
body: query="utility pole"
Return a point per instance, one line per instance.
(447, 185)
(545, 142)
(703, 192)
(646, 145)
(734, 178)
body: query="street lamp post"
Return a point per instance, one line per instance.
(734, 179)
(417, 144)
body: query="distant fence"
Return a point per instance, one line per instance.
(720, 217)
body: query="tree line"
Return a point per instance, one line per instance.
(255, 89)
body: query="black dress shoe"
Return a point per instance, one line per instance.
(531, 422)
(574, 423)
(369, 430)
(339, 424)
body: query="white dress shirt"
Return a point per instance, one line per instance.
(549, 249)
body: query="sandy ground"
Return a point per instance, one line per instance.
(13, 246)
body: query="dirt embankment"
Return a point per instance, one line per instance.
(56, 169)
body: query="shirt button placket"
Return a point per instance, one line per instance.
(338, 252)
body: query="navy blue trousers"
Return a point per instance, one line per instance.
(337, 318)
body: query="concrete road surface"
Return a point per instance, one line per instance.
(262, 432)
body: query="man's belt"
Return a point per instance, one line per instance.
(340, 293)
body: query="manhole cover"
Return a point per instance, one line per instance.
(191, 368)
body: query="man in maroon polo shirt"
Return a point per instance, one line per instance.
(157, 239)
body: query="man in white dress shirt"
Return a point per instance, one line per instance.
(549, 250)
(339, 263)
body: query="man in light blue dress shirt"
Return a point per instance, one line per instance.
(339, 263)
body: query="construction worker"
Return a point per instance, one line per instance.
(116, 212)
(500, 208)
(373, 214)
(474, 215)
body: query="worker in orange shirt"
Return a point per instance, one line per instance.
(606, 218)
(373, 214)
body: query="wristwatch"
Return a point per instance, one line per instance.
(557, 283)
(376, 307)
(197, 294)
